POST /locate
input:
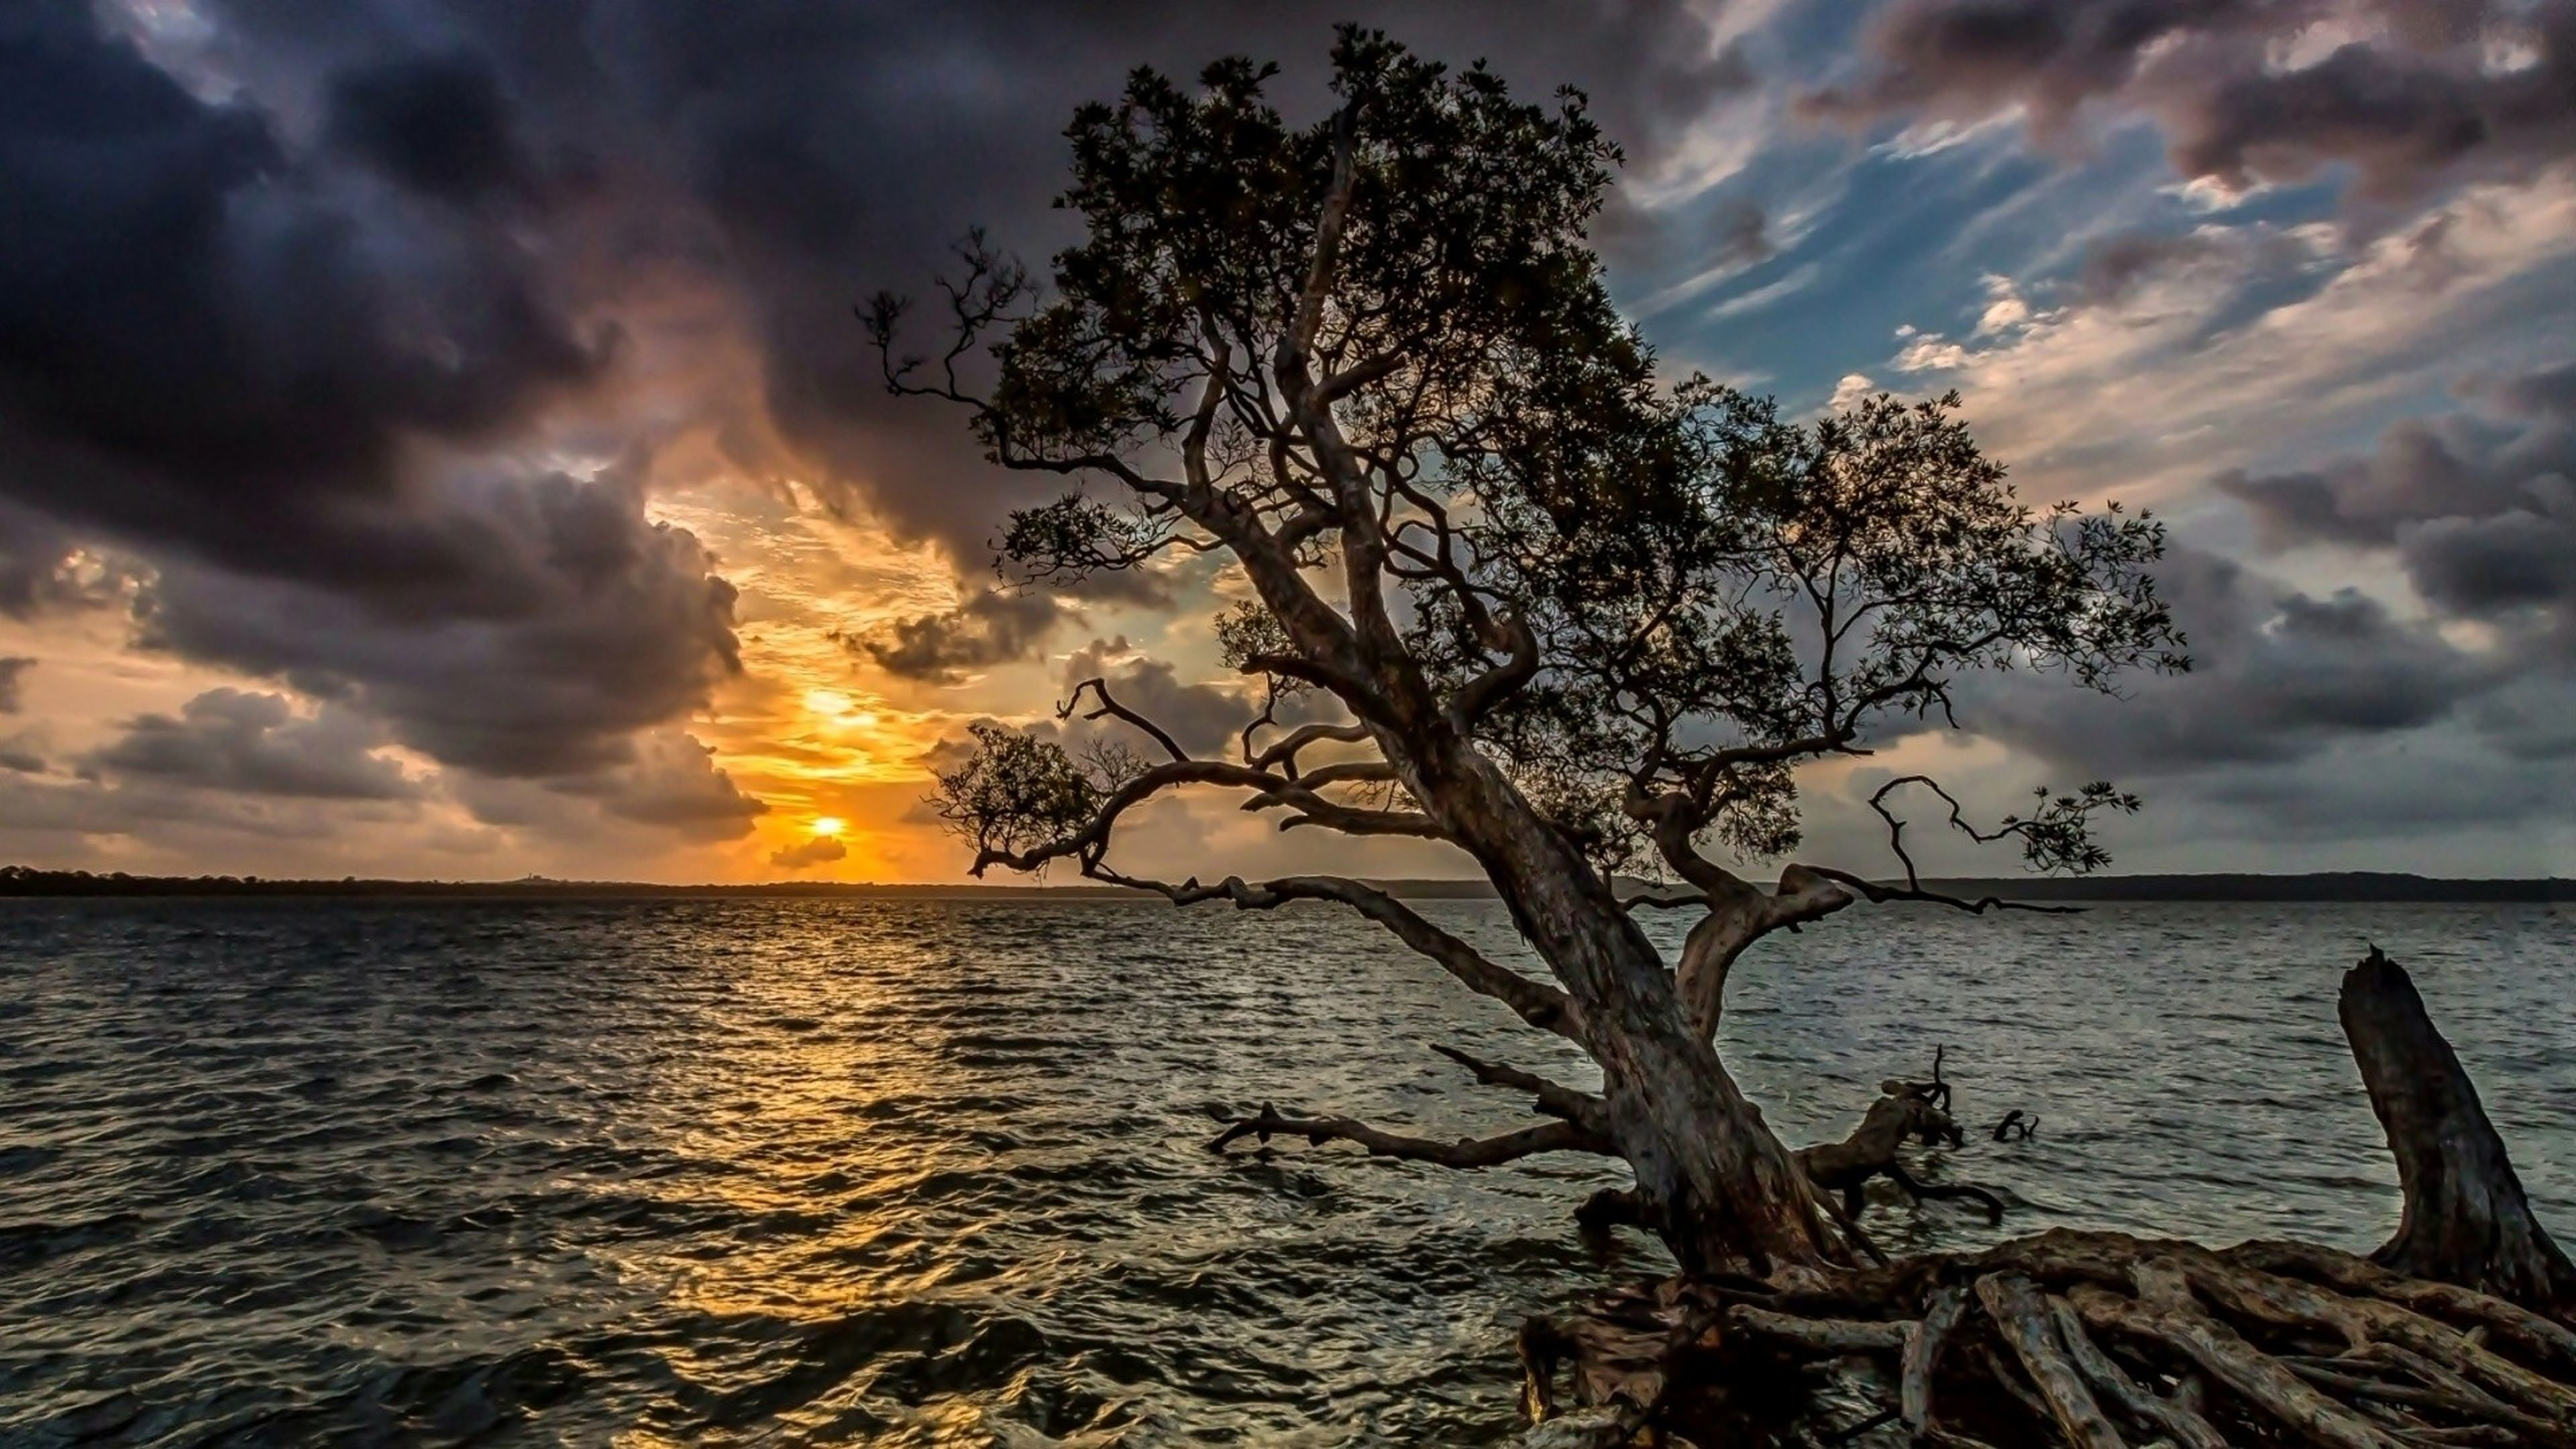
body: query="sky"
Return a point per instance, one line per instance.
(435, 440)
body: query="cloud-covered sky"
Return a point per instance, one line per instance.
(434, 439)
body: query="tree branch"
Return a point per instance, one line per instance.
(1114, 709)
(1735, 921)
(1878, 895)
(1482, 693)
(1464, 1152)
(1554, 1098)
(1282, 753)
(1542, 1006)
(1088, 842)
(1352, 820)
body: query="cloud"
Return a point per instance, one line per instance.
(256, 744)
(2479, 507)
(783, 160)
(1204, 719)
(821, 850)
(2274, 346)
(2277, 675)
(212, 345)
(2115, 267)
(582, 623)
(2411, 94)
(997, 626)
(670, 782)
(437, 125)
(265, 374)
(1740, 234)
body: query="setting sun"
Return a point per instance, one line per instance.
(830, 825)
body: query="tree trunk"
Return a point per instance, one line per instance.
(1713, 1180)
(2466, 1220)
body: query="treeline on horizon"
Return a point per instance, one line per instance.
(30, 881)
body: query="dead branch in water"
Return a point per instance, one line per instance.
(1904, 1112)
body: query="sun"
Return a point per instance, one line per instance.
(830, 825)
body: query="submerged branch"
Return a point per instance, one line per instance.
(1462, 1152)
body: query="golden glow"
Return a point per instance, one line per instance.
(839, 747)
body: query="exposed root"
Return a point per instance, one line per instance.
(2014, 1306)
(2100, 1340)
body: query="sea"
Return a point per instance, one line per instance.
(936, 1172)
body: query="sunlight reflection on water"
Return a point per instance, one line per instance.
(911, 1172)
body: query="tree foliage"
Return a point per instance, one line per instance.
(1374, 356)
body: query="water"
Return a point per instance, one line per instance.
(803, 1172)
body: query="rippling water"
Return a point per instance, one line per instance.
(933, 1172)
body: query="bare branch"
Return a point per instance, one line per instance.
(1093, 837)
(1347, 772)
(1554, 1098)
(1298, 344)
(1112, 708)
(1282, 753)
(2056, 838)
(1464, 1152)
(1351, 820)
(1542, 1006)
(1878, 895)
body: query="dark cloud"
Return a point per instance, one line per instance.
(2479, 507)
(12, 671)
(2422, 98)
(438, 125)
(256, 744)
(669, 781)
(261, 371)
(2277, 675)
(209, 345)
(2478, 514)
(585, 623)
(997, 626)
(672, 782)
(2549, 393)
(273, 316)
(794, 154)
(821, 850)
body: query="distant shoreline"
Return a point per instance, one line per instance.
(2368, 886)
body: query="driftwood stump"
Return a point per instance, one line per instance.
(2462, 1330)
(2465, 1219)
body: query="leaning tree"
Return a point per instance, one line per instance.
(1508, 588)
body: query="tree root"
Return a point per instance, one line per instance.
(2089, 1339)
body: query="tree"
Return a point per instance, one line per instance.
(1575, 620)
